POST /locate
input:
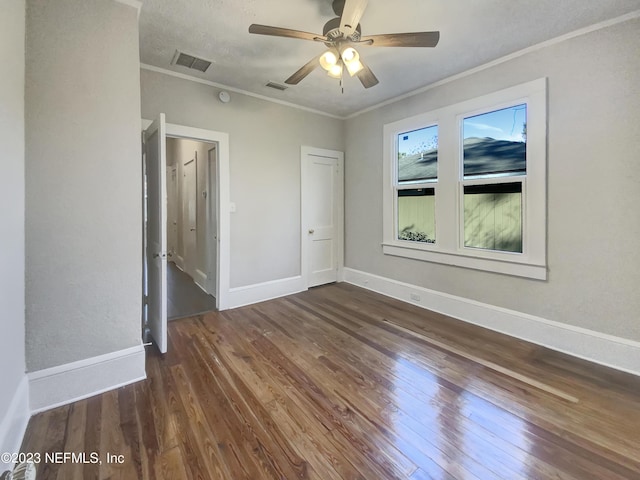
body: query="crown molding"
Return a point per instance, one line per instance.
(144, 66)
(539, 46)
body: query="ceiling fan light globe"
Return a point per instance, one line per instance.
(350, 54)
(328, 60)
(335, 71)
(354, 67)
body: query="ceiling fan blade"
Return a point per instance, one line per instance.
(304, 71)
(416, 39)
(351, 15)
(367, 78)
(284, 32)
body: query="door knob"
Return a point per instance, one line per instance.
(311, 231)
(193, 229)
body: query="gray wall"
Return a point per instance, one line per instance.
(264, 144)
(83, 180)
(12, 352)
(593, 186)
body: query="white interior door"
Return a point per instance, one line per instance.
(189, 217)
(156, 254)
(322, 215)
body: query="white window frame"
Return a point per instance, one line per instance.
(449, 246)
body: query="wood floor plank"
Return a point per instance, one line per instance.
(74, 441)
(92, 434)
(171, 465)
(149, 449)
(342, 383)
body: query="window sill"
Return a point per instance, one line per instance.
(518, 269)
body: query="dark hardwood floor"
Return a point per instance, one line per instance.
(342, 383)
(184, 297)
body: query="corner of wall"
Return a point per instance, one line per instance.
(14, 423)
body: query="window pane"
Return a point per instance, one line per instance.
(495, 143)
(493, 217)
(418, 155)
(416, 215)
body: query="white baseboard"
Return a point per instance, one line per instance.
(68, 383)
(259, 292)
(14, 422)
(608, 350)
(201, 279)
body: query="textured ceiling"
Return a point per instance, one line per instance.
(472, 33)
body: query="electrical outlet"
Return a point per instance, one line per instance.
(415, 297)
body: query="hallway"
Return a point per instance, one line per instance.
(184, 297)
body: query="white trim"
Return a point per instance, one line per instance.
(131, 3)
(608, 350)
(260, 292)
(151, 68)
(63, 384)
(536, 272)
(14, 422)
(201, 279)
(534, 48)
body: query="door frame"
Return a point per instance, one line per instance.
(212, 218)
(338, 199)
(223, 271)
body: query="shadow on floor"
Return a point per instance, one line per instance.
(184, 297)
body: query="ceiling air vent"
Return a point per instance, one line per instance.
(277, 86)
(190, 61)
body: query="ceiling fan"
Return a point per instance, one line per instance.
(341, 35)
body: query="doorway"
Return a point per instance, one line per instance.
(190, 194)
(158, 222)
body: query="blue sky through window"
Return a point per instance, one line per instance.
(505, 124)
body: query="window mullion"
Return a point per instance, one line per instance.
(446, 201)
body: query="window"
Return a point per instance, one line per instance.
(476, 170)
(494, 165)
(417, 172)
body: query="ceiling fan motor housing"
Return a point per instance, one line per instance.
(332, 31)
